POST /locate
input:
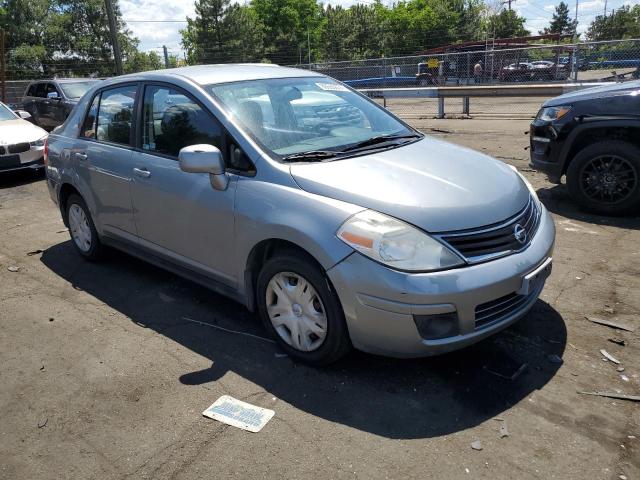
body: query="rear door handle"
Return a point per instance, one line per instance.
(142, 172)
(81, 156)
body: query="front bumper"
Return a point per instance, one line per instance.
(32, 158)
(546, 142)
(381, 305)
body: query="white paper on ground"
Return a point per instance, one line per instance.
(239, 414)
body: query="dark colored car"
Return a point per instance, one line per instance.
(533, 71)
(50, 101)
(593, 138)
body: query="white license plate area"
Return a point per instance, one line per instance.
(530, 281)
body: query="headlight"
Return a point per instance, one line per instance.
(550, 114)
(395, 243)
(38, 143)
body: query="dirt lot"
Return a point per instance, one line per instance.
(103, 377)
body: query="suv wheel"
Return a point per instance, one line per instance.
(301, 311)
(605, 177)
(83, 231)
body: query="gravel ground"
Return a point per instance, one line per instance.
(104, 377)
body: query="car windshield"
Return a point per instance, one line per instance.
(293, 116)
(75, 89)
(6, 113)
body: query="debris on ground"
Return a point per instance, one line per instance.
(620, 369)
(280, 355)
(511, 377)
(166, 298)
(608, 323)
(63, 231)
(619, 396)
(624, 378)
(503, 431)
(237, 413)
(609, 357)
(553, 358)
(618, 341)
(476, 445)
(43, 424)
(35, 252)
(13, 269)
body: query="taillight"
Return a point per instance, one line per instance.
(45, 156)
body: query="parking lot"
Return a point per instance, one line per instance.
(105, 373)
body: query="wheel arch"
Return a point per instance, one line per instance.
(590, 133)
(66, 190)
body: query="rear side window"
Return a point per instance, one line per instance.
(172, 120)
(40, 90)
(115, 114)
(89, 125)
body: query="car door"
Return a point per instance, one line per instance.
(34, 103)
(178, 214)
(57, 108)
(103, 155)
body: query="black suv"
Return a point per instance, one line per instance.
(593, 137)
(50, 101)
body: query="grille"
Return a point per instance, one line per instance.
(19, 147)
(495, 310)
(495, 240)
(2, 150)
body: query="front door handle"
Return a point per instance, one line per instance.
(81, 156)
(142, 172)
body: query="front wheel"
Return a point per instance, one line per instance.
(605, 177)
(300, 309)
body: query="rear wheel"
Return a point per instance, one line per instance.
(300, 310)
(83, 231)
(605, 177)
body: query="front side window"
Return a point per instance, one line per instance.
(172, 120)
(41, 90)
(292, 116)
(51, 88)
(115, 114)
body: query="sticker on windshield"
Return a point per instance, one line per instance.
(332, 87)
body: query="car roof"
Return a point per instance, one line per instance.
(65, 80)
(224, 73)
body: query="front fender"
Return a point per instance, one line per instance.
(266, 211)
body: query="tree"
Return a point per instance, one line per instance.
(561, 23)
(621, 23)
(507, 24)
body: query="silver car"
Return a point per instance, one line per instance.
(305, 201)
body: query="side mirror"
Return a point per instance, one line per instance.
(23, 114)
(53, 96)
(205, 159)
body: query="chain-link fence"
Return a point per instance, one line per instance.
(484, 64)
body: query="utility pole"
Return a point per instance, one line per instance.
(166, 56)
(574, 64)
(508, 2)
(114, 36)
(309, 47)
(3, 78)
(605, 8)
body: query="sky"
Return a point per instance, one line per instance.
(158, 22)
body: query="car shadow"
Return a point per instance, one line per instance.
(388, 397)
(558, 201)
(20, 177)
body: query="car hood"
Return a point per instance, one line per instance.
(613, 90)
(432, 184)
(18, 131)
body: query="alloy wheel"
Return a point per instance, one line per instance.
(608, 179)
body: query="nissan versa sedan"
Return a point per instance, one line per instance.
(21, 142)
(340, 225)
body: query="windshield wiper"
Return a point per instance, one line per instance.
(311, 156)
(377, 140)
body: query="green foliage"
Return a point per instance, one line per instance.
(507, 24)
(45, 38)
(621, 23)
(561, 22)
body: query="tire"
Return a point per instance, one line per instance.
(605, 177)
(289, 270)
(76, 211)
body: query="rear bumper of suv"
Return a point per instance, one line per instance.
(394, 313)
